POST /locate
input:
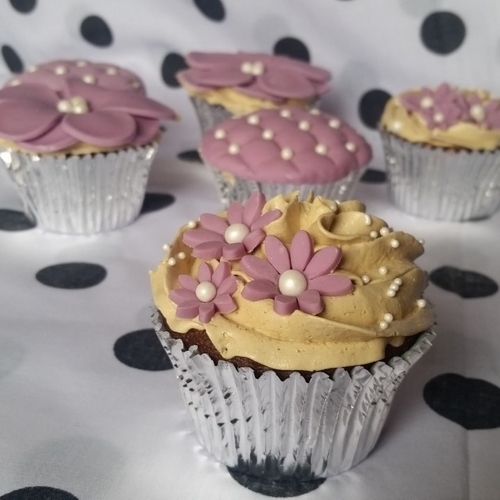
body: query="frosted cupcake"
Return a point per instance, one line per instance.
(78, 153)
(441, 147)
(222, 85)
(290, 325)
(279, 151)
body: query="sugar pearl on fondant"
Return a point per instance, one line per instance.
(477, 112)
(171, 261)
(253, 120)
(394, 243)
(382, 270)
(166, 247)
(292, 283)
(258, 68)
(60, 70)
(320, 149)
(236, 233)
(384, 231)
(136, 85)
(421, 303)
(111, 71)
(233, 149)
(81, 64)
(438, 117)
(368, 220)
(391, 293)
(394, 286)
(220, 133)
(373, 234)
(286, 154)
(315, 111)
(388, 317)
(32, 69)
(334, 123)
(285, 113)
(89, 79)
(398, 281)
(365, 279)
(383, 325)
(181, 255)
(191, 224)
(304, 125)
(14, 82)
(205, 291)
(426, 102)
(350, 146)
(246, 68)
(64, 106)
(267, 134)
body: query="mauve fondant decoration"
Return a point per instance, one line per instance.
(276, 78)
(43, 120)
(53, 74)
(287, 146)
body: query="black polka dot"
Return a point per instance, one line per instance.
(292, 47)
(23, 6)
(191, 155)
(213, 9)
(371, 106)
(13, 220)
(96, 31)
(12, 60)
(38, 493)
(374, 176)
(172, 63)
(286, 488)
(467, 284)
(442, 32)
(72, 275)
(469, 402)
(141, 349)
(156, 201)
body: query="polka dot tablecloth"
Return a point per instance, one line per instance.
(89, 404)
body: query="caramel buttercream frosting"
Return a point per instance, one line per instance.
(294, 285)
(445, 117)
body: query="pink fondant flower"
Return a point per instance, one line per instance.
(234, 238)
(259, 75)
(295, 279)
(41, 119)
(492, 114)
(207, 295)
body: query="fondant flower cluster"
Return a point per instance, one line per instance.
(446, 106)
(295, 278)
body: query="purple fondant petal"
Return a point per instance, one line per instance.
(30, 92)
(286, 83)
(181, 295)
(311, 72)
(323, 261)
(146, 130)
(217, 77)
(101, 128)
(211, 59)
(259, 290)
(234, 251)
(55, 139)
(235, 213)
(193, 237)
(208, 250)
(225, 304)
(222, 271)
(228, 286)
(277, 254)
(253, 208)
(301, 250)
(204, 272)
(258, 268)
(266, 219)
(310, 302)
(25, 120)
(188, 310)
(188, 282)
(331, 285)
(253, 240)
(206, 312)
(285, 304)
(213, 223)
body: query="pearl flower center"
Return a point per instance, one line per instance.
(76, 104)
(236, 233)
(292, 283)
(205, 291)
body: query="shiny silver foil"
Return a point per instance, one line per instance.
(233, 188)
(266, 427)
(81, 194)
(208, 115)
(441, 184)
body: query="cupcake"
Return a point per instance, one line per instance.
(441, 147)
(279, 151)
(79, 154)
(290, 325)
(222, 85)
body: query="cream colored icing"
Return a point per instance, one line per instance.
(351, 330)
(412, 127)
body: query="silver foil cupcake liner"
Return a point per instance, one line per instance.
(266, 427)
(209, 115)
(81, 194)
(441, 184)
(232, 188)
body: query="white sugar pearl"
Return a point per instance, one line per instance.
(388, 317)
(391, 293)
(285, 113)
(253, 120)
(368, 220)
(373, 234)
(383, 325)
(304, 125)
(421, 303)
(334, 123)
(220, 133)
(426, 102)
(60, 70)
(384, 231)
(382, 270)
(334, 206)
(135, 85)
(205, 291)
(89, 79)
(64, 106)
(166, 247)
(267, 134)
(394, 286)
(320, 149)
(292, 283)
(286, 154)
(257, 68)
(32, 69)
(477, 112)
(181, 255)
(111, 71)
(15, 82)
(438, 117)
(233, 149)
(350, 146)
(191, 224)
(171, 261)
(315, 111)
(247, 68)
(421, 241)
(81, 64)
(365, 279)
(398, 281)
(236, 233)
(394, 243)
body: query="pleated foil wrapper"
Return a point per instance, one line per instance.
(209, 115)
(441, 184)
(269, 428)
(81, 194)
(232, 188)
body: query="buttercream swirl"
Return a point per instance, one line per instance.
(384, 307)
(445, 117)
